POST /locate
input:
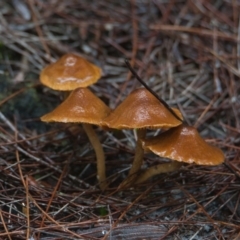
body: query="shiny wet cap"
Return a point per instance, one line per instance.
(70, 72)
(184, 144)
(81, 106)
(141, 110)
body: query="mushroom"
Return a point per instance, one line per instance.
(70, 72)
(182, 144)
(140, 110)
(82, 106)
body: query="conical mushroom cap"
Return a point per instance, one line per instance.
(70, 72)
(80, 106)
(141, 110)
(184, 144)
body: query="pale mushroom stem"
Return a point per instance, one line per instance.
(139, 152)
(158, 169)
(96, 144)
(138, 158)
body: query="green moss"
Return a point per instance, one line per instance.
(102, 211)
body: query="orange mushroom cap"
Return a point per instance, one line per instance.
(184, 144)
(70, 72)
(80, 106)
(141, 110)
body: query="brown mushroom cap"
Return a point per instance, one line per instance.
(70, 72)
(184, 144)
(141, 110)
(80, 106)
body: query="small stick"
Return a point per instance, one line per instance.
(151, 91)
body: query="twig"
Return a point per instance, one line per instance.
(151, 91)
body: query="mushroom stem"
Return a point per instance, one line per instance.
(138, 159)
(93, 138)
(158, 169)
(139, 152)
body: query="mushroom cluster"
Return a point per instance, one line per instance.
(141, 110)
(73, 73)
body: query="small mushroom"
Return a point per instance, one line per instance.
(184, 145)
(140, 110)
(70, 72)
(82, 106)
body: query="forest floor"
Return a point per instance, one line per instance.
(188, 52)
